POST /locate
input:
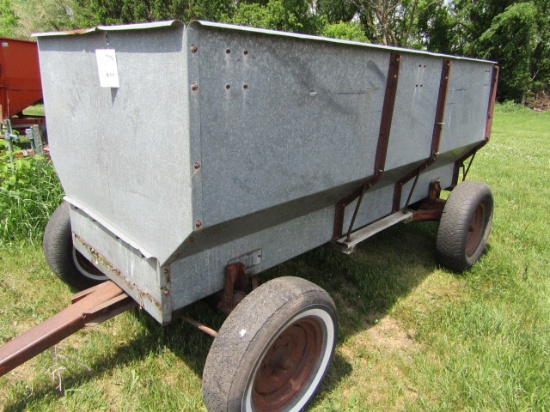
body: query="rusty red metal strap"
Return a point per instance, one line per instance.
(436, 136)
(89, 307)
(381, 149)
(488, 126)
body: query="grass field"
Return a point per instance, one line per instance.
(413, 336)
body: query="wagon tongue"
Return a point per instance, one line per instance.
(88, 308)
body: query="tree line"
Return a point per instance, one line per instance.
(516, 34)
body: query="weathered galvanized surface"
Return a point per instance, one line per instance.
(225, 144)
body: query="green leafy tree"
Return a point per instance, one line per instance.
(345, 30)
(393, 22)
(511, 40)
(286, 15)
(516, 34)
(8, 19)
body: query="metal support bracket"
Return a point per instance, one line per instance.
(381, 150)
(236, 284)
(459, 164)
(436, 139)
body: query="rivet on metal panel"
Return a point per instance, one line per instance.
(166, 292)
(194, 86)
(227, 86)
(198, 223)
(227, 51)
(165, 270)
(194, 48)
(245, 52)
(196, 165)
(245, 86)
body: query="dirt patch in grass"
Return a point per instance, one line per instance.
(381, 356)
(387, 335)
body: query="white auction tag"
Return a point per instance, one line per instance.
(108, 69)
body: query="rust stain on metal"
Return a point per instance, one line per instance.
(236, 285)
(116, 272)
(431, 208)
(381, 149)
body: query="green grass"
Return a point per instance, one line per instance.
(29, 193)
(413, 336)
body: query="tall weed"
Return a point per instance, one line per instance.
(29, 193)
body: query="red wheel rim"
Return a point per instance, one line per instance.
(288, 365)
(475, 230)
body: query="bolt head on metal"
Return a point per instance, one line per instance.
(165, 270)
(194, 48)
(194, 86)
(198, 223)
(197, 165)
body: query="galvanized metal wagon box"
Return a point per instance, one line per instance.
(195, 157)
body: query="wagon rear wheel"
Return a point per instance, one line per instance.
(64, 260)
(465, 225)
(273, 350)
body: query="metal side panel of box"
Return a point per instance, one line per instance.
(123, 152)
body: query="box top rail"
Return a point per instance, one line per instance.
(225, 26)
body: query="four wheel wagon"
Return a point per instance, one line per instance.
(195, 157)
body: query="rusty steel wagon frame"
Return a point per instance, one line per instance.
(279, 143)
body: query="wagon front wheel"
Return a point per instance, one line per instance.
(273, 350)
(64, 260)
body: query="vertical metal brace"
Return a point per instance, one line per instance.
(487, 136)
(436, 138)
(35, 137)
(9, 136)
(381, 150)
(236, 284)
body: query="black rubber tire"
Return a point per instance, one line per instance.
(66, 262)
(284, 331)
(465, 226)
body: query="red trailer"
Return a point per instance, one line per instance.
(19, 81)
